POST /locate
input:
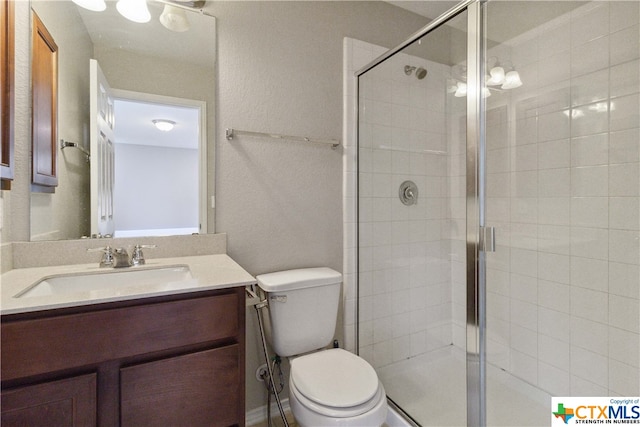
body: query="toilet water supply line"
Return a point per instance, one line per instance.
(259, 304)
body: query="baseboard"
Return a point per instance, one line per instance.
(259, 415)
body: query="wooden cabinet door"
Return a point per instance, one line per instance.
(68, 402)
(196, 389)
(44, 92)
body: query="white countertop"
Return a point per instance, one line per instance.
(209, 272)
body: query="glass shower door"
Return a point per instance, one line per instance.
(412, 223)
(562, 191)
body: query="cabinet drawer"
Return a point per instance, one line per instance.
(31, 347)
(68, 402)
(197, 389)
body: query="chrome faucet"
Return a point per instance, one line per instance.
(107, 259)
(121, 258)
(137, 257)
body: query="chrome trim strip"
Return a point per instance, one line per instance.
(476, 380)
(457, 9)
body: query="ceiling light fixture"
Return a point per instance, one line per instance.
(173, 18)
(163, 124)
(92, 5)
(134, 10)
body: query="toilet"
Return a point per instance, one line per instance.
(327, 387)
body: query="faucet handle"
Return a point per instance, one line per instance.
(137, 257)
(107, 256)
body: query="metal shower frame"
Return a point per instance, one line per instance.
(479, 238)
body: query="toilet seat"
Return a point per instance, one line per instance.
(335, 383)
(338, 412)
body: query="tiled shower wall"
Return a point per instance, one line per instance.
(405, 286)
(563, 191)
(563, 188)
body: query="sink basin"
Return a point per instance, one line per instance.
(112, 279)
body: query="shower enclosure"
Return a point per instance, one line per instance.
(497, 210)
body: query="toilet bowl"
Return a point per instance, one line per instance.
(327, 387)
(335, 388)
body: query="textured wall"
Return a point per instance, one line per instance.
(280, 71)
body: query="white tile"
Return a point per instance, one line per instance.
(524, 366)
(555, 68)
(554, 154)
(590, 119)
(524, 314)
(624, 79)
(590, 212)
(588, 365)
(555, 40)
(527, 130)
(554, 380)
(589, 335)
(624, 246)
(589, 304)
(554, 239)
(526, 157)
(624, 380)
(523, 236)
(382, 161)
(589, 57)
(582, 387)
(624, 45)
(590, 181)
(590, 150)
(553, 126)
(623, 346)
(624, 146)
(498, 306)
(590, 273)
(525, 184)
(554, 267)
(554, 296)
(625, 112)
(624, 180)
(554, 183)
(590, 88)
(624, 279)
(590, 23)
(524, 288)
(623, 14)
(554, 210)
(524, 209)
(524, 340)
(590, 242)
(555, 352)
(624, 313)
(555, 323)
(524, 262)
(624, 213)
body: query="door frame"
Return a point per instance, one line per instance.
(201, 106)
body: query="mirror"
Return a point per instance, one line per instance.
(162, 73)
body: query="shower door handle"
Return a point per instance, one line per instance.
(488, 239)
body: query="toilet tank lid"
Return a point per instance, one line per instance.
(298, 279)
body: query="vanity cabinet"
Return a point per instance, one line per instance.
(176, 360)
(67, 402)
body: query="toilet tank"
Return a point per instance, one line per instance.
(303, 308)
